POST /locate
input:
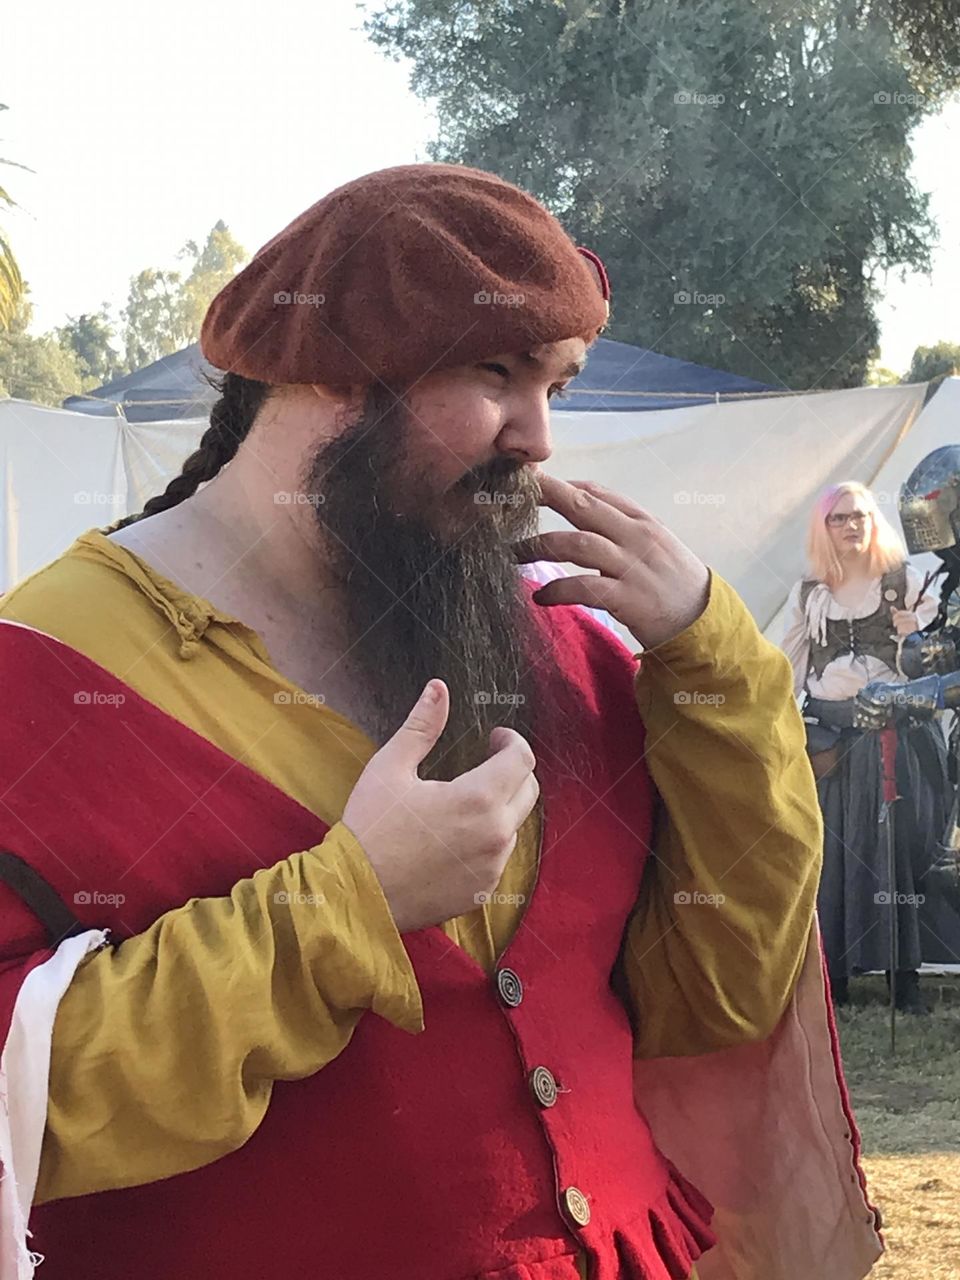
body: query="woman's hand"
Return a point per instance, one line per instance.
(904, 621)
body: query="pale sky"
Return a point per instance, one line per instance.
(145, 124)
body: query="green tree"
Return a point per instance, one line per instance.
(212, 266)
(932, 365)
(937, 362)
(742, 166)
(36, 368)
(165, 309)
(153, 317)
(11, 282)
(928, 31)
(89, 337)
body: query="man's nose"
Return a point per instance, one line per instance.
(526, 435)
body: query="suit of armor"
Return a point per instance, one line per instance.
(930, 659)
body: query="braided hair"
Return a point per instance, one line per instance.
(231, 418)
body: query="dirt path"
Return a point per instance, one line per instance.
(919, 1197)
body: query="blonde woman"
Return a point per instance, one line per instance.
(845, 620)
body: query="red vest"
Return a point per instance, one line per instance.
(500, 1141)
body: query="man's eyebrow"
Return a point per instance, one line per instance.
(571, 371)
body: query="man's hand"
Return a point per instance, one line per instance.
(873, 705)
(879, 703)
(439, 848)
(648, 580)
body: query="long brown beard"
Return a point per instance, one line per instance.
(430, 584)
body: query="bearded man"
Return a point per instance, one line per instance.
(369, 914)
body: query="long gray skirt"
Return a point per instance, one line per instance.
(856, 898)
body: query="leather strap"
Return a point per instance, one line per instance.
(42, 899)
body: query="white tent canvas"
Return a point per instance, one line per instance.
(60, 473)
(735, 480)
(938, 424)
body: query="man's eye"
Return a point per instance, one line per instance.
(496, 368)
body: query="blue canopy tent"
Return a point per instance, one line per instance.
(174, 386)
(618, 377)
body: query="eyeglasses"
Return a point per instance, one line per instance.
(837, 519)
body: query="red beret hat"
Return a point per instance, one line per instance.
(402, 272)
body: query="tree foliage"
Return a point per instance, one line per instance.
(165, 309)
(36, 368)
(934, 363)
(928, 32)
(211, 266)
(11, 282)
(163, 314)
(153, 317)
(740, 165)
(90, 338)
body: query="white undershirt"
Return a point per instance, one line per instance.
(847, 674)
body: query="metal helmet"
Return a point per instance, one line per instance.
(930, 502)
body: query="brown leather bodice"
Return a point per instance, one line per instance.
(873, 635)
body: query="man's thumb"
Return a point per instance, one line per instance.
(419, 733)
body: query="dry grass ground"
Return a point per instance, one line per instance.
(908, 1110)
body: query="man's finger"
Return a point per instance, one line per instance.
(592, 590)
(614, 499)
(584, 510)
(421, 730)
(522, 803)
(529, 550)
(502, 774)
(574, 546)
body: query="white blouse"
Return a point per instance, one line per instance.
(847, 674)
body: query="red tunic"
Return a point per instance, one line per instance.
(500, 1141)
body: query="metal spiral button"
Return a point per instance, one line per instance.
(509, 987)
(544, 1086)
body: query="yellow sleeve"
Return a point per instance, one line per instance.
(716, 945)
(166, 1048)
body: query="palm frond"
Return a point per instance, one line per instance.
(11, 285)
